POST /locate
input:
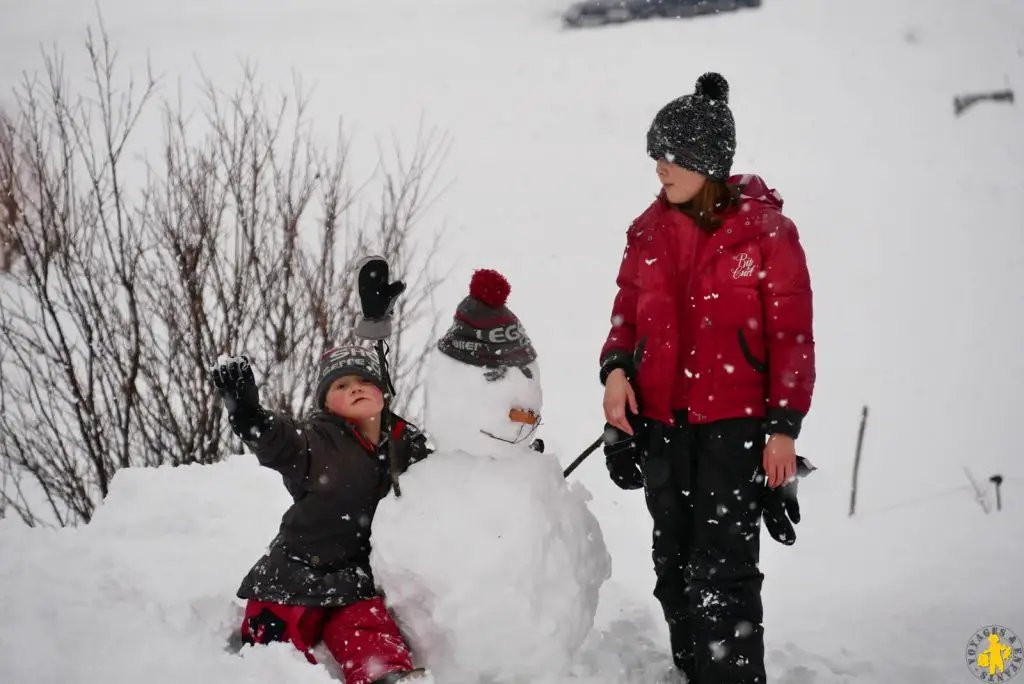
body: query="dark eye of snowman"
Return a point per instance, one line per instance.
(493, 374)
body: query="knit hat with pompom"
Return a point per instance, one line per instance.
(697, 131)
(484, 331)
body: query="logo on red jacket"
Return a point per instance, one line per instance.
(744, 266)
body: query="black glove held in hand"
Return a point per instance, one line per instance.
(623, 456)
(377, 294)
(237, 387)
(781, 511)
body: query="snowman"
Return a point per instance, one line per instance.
(489, 559)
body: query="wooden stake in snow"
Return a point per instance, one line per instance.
(997, 480)
(856, 458)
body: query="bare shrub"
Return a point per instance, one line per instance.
(130, 282)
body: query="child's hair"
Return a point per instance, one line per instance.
(709, 205)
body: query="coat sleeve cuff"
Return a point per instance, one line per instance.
(784, 421)
(614, 360)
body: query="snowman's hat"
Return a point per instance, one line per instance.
(484, 331)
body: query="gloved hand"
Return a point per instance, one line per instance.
(780, 507)
(623, 455)
(377, 297)
(236, 385)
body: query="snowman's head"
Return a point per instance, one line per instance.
(482, 411)
(483, 382)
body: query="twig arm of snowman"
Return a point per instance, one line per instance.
(378, 295)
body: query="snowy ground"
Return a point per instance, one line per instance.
(911, 220)
(145, 592)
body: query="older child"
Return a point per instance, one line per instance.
(314, 583)
(714, 300)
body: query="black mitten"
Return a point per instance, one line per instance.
(623, 456)
(377, 297)
(237, 387)
(781, 510)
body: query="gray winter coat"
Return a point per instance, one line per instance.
(320, 556)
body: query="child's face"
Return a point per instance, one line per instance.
(681, 185)
(354, 398)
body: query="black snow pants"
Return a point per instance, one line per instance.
(703, 493)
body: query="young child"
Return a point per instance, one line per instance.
(314, 583)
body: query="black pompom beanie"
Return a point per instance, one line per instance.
(697, 131)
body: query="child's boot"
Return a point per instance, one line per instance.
(394, 677)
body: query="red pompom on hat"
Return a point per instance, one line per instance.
(490, 287)
(484, 331)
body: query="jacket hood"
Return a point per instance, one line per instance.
(753, 187)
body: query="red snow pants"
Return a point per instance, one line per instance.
(362, 637)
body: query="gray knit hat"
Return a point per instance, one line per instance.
(347, 360)
(484, 332)
(697, 131)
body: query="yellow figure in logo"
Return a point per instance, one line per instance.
(993, 656)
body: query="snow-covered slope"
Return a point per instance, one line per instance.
(911, 220)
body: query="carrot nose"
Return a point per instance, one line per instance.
(522, 416)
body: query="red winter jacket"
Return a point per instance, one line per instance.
(723, 320)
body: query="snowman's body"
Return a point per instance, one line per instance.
(490, 560)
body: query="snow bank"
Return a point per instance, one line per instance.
(146, 592)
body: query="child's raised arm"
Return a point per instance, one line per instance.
(278, 441)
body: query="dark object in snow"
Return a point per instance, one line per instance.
(395, 677)
(997, 480)
(377, 297)
(962, 102)
(856, 458)
(601, 12)
(537, 445)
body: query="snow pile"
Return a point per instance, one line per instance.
(145, 593)
(490, 560)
